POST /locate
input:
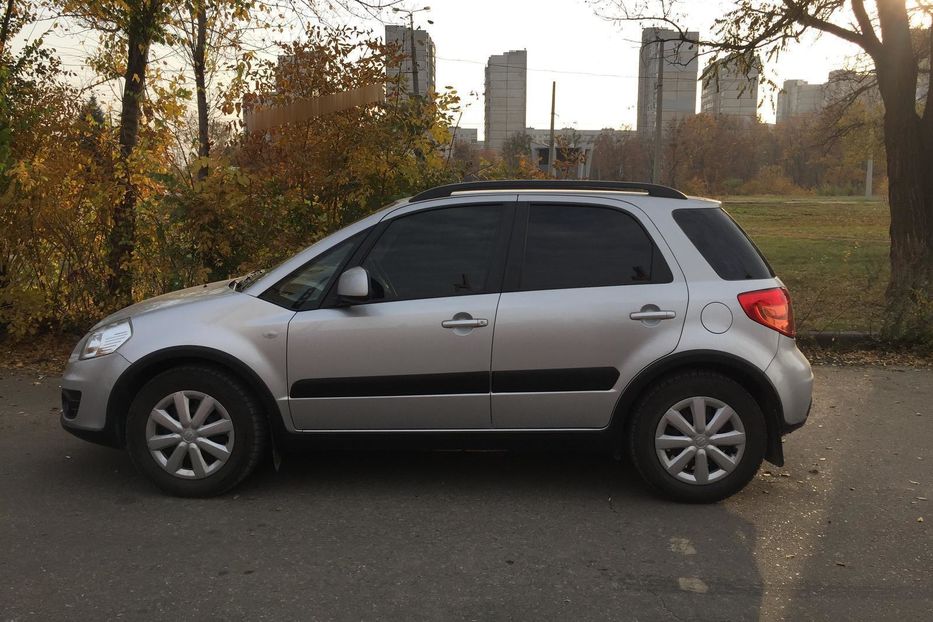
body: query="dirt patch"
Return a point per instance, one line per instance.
(866, 357)
(46, 354)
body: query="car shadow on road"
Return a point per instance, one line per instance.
(579, 529)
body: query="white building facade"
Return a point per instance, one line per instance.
(798, 98)
(679, 69)
(506, 96)
(731, 90)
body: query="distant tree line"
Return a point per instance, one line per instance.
(726, 155)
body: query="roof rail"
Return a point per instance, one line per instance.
(653, 190)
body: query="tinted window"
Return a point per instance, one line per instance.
(723, 244)
(573, 246)
(446, 252)
(304, 288)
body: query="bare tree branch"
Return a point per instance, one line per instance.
(864, 22)
(800, 14)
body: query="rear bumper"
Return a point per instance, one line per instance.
(792, 378)
(787, 428)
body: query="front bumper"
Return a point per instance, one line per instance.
(86, 387)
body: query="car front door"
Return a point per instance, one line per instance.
(592, 295)
(415, 354)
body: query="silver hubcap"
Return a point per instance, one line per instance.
(700, 440)
(189, 434)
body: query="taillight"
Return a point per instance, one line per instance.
(771, 308)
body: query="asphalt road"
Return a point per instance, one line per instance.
(835, 534)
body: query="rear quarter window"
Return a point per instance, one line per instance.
(723, 244)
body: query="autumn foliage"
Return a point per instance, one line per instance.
(265, 196)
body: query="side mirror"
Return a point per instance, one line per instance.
(354, 284)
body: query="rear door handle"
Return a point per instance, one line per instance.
(471, 323)
(653, 315)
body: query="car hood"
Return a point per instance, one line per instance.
(171, 299)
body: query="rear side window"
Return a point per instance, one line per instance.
(723, 244)
(570, 246)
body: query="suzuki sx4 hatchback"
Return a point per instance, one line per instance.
(474, 315)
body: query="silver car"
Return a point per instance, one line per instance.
(487, 314)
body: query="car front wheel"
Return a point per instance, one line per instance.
(195, 431)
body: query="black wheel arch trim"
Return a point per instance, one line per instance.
(753, 379)
(145, 368)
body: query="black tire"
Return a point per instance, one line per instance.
(250, 429)
(660, 398)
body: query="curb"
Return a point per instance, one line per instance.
(830, 339)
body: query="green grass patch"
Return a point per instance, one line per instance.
(832, 252)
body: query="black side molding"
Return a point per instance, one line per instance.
(413, 384)
(553, 380)
(511, 381)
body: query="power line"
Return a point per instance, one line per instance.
(562, 71)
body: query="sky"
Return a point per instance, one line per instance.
(593, 60)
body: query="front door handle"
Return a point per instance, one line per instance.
(465, 323)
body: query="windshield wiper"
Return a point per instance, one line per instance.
(246, 280)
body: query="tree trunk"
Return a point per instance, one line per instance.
(121, 238)
(5, 26)
(909, 145)
(909, 314)
(200, 45)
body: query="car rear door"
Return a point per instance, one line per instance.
(416, 354)
(592, 295)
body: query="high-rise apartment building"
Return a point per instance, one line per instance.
(506, 93)
(732, 90)
(845, 86)
(797, 98)
(678, 65)
(401, 36)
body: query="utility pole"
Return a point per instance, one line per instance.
(869, 174)
(656, 165)
(411, 39)
(551, 154)
(414, 57)
(870, 166)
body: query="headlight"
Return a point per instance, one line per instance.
(106, 340)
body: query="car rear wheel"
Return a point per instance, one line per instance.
(697, 437)
(195, 431)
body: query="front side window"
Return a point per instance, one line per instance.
(305, 287)
(569, 246)
(443, 252)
